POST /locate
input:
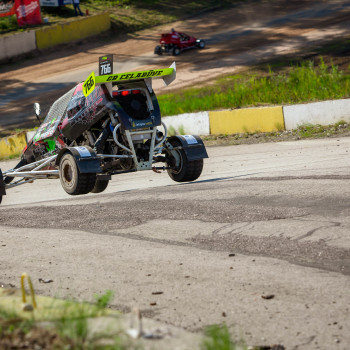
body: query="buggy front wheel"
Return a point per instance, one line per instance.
(182, 169)
(72, 181)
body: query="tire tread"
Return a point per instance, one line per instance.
(99, 186)
(191, 169)
(85, 181)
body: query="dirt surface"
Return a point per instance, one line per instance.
(249, 33)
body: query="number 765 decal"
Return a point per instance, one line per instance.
(89, 84)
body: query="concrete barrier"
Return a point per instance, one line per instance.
(17, 44)
(265, 119)
(324, 113)
(189, 123)
(72, 31)
(12, 145)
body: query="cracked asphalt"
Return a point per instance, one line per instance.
(264, 219)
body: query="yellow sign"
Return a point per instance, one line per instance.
(89, 84)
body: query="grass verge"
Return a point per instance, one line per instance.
(299, 83)
(303, 132)
(58, 325)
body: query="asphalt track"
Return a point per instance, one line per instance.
(264, 220)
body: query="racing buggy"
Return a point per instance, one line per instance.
(108, 125)
(175, 42)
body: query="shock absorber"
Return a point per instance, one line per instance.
(101, 140)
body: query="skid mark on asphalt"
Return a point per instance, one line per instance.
(311, 254)
(311, 232)
(309, 177)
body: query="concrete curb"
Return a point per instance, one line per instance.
(265, 119)
(17, 44)
(324, 113)
(189, 123)
(260, 119)
(72, 31)
(20, 43)
(12, 145)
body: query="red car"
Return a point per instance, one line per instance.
(175, 42)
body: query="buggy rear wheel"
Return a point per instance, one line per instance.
(72, 181)
(176, 51)
(100, 185)
(183, 169)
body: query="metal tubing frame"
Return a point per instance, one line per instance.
(33, 172)
(155, 148)
(114, 156)
(40, 174)
(19, 182)
(41, 162)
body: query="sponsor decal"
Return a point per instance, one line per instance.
(27, 12)
(191, 140)
(89, 85)
(87, 112)
(45, 135)
(55, 3)
(83, 151)
(137, 125)
(7, 8)
(36, 137)
(133, 76)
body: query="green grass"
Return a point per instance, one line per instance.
(8, 23)
(217, 337)
(67, 327)
(301, 83)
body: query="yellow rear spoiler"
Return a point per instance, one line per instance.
(167, 74)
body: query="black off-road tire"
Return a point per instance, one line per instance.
(187, 170)
(100, 185)
(176, 51)
(2, 186)
(201, 44)
(72, 181)
(158, 50)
